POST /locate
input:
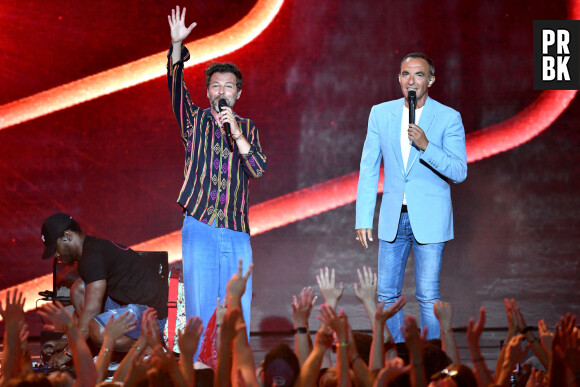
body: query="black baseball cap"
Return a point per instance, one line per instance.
(52, 228)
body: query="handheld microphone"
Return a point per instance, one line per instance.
(222, 103)
(412, 96)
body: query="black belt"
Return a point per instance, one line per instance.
(404, 208)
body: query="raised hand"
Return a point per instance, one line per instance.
(326, 284)
(237, 284)
(338, 322)
(520, 322)
(546, 337)
(150, 313)
(392, 370)
(117, 327)
(57, 314)
(415, 341)
(366, 292)
(444, 313)
(382, 314)
(514, 351)
(12, 311)
(302, 306)
(323, 338)
(536, 379)
(177, 25)
(220, 311)
(188, 339)
(566, 343)
(474, 333)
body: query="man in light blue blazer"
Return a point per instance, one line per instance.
(419, 161)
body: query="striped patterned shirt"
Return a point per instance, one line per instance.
(215, 181)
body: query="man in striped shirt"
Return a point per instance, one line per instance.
(218, 166)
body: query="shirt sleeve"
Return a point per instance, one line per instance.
(254, 162)
(185, 111)
(92, 268)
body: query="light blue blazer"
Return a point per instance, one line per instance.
(425, 181)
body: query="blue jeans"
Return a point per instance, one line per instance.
(210, 259)
(391, 272)
(114, 309)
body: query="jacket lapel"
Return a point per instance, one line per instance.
(394, 127)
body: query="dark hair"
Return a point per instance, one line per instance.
(224, 68)
(425, 58)
(434, 358)
(282, 352)
(30, 379)
(461, 374)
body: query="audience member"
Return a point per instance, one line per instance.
(429, 363)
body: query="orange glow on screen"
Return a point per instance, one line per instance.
(143, 70)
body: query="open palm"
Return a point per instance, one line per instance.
(177, 25)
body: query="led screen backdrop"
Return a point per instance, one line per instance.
(87, 129)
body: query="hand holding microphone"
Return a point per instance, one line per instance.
(416, 134)
(222, 103)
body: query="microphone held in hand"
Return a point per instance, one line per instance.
(222, 103)
(412, 96)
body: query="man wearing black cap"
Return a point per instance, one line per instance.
(115, 280)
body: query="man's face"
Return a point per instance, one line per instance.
(414, 75)
(222, 86)
(66, 251)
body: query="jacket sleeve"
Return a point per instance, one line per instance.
(450, 158)
(368, 180)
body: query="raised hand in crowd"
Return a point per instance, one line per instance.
(415, 340)
(25, 359)
(115, 328)
(81, 354)
(220, 311)
(166, 367)
(546, 337)
(310, 370)
(137, 372)
(339, 324)
(474, 332)
(242, 356)
(514, 353)
(136, 351)
(326, 283)
(366, 291)
(301, 308)
(236, 286)
(444, 314)
(536, 378)
(393, 369)
(565, 353)
(536, 345)
(12, 313)
(188, 341)
(382, 335)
